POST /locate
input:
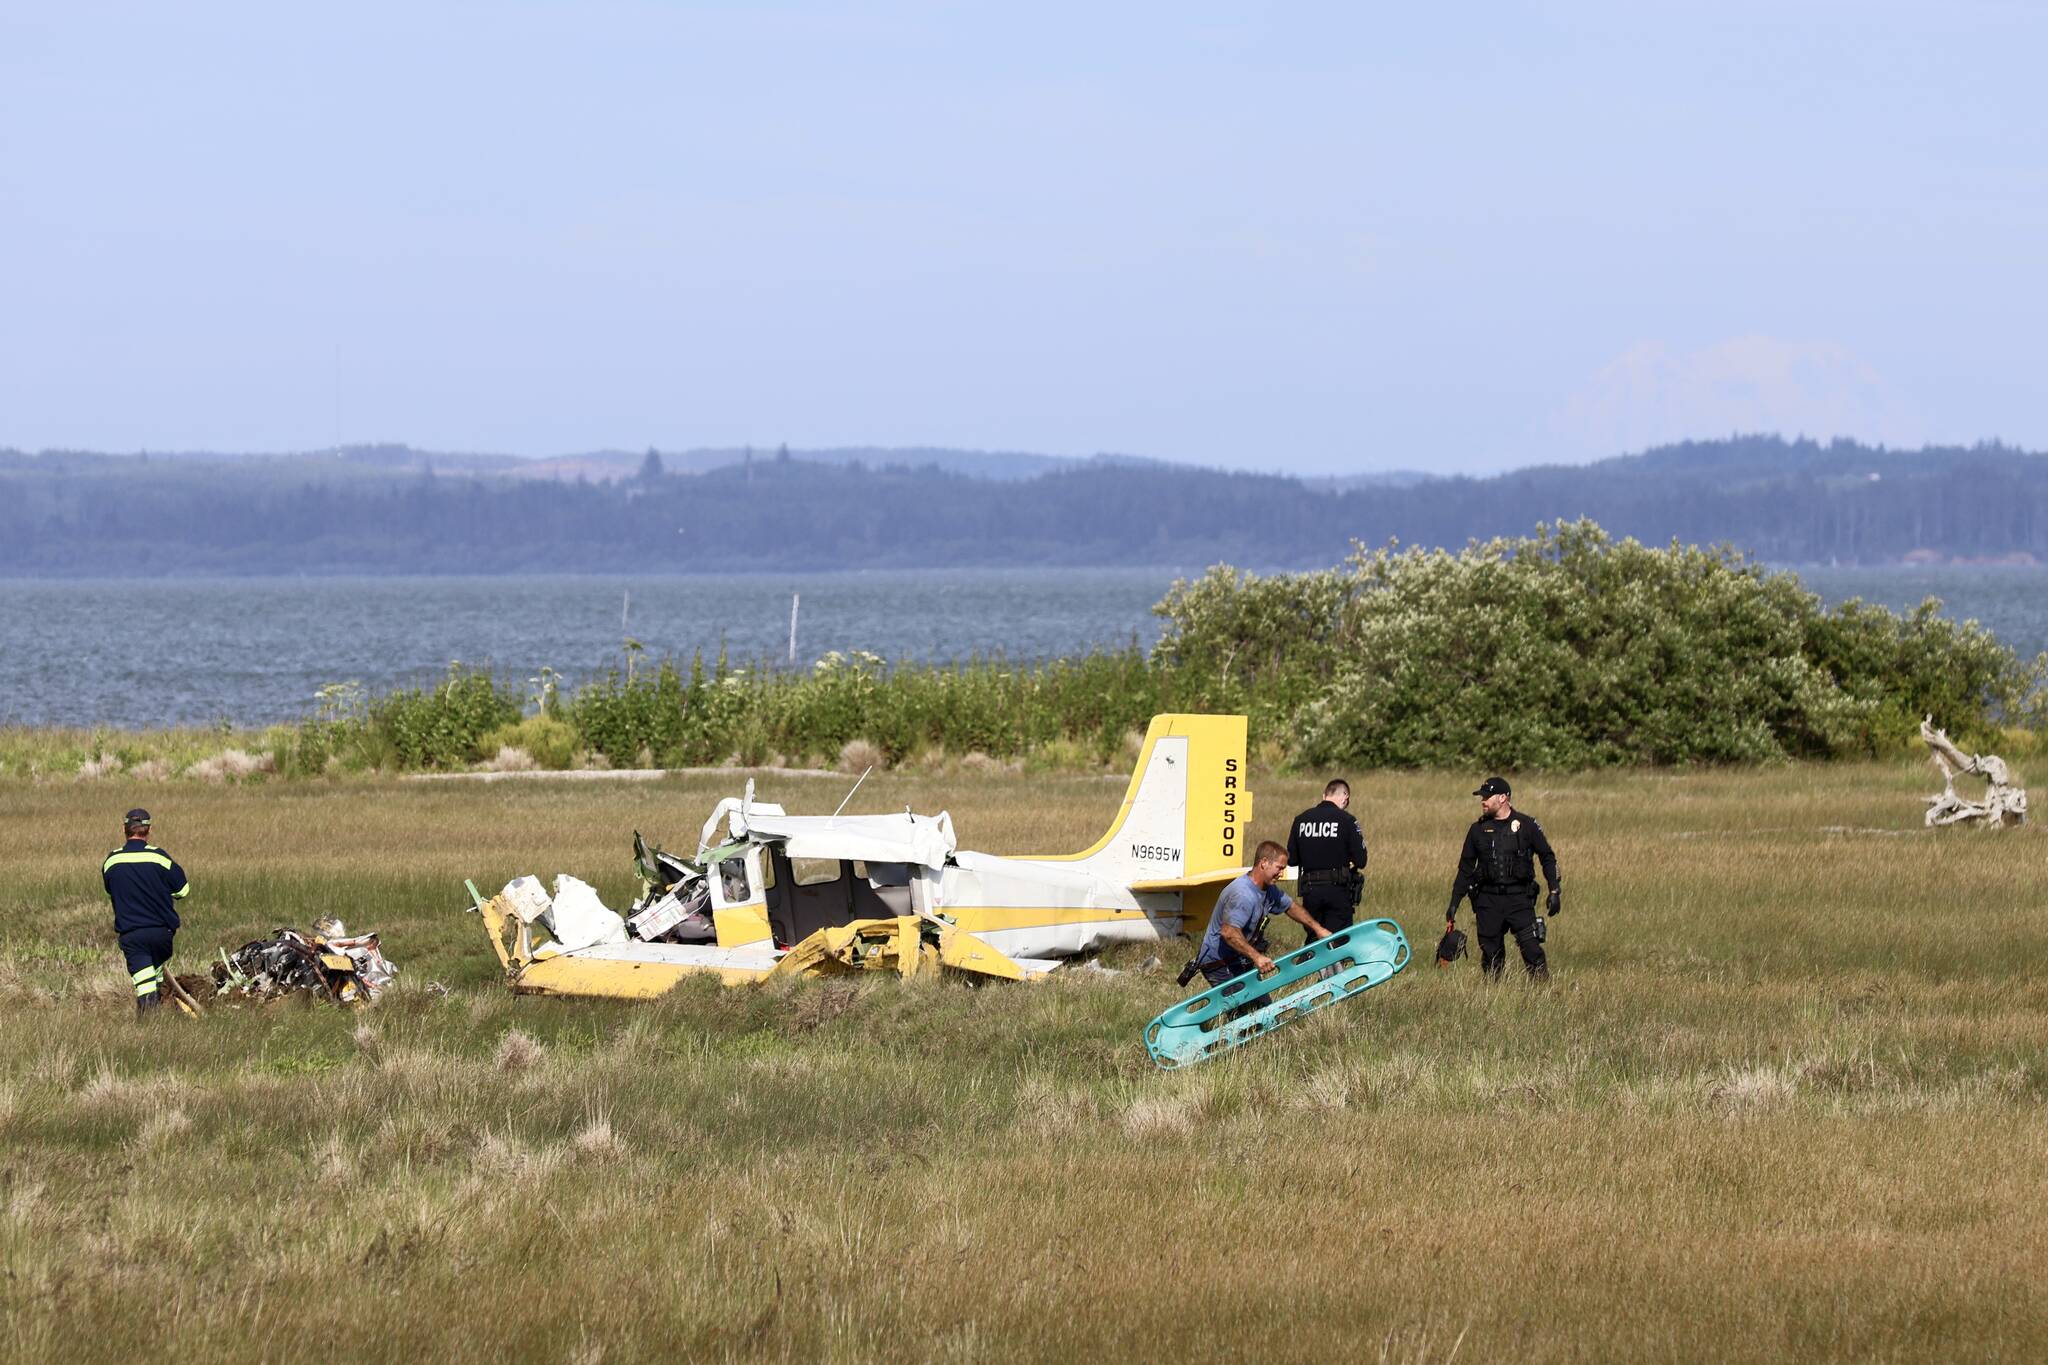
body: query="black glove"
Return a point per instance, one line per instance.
(1553, 905)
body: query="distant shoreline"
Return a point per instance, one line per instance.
(378, 512)
(2020, 564)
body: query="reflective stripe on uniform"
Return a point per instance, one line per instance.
(182, 892)
(141, 855)
(147, 980)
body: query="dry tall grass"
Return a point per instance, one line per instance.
(1784, 1099)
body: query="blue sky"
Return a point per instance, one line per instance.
(1309, 237)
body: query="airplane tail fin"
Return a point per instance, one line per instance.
(1187, 811)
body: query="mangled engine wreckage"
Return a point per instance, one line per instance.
(328, 964)
(769, 893)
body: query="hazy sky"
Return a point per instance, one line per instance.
(1320, 237)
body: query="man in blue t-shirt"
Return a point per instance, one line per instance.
(1236, 941)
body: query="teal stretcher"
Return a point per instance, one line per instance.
(1357, 959)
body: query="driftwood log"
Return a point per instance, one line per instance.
(2004, 802)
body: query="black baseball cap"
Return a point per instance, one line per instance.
(138, 816)
(1494, 786)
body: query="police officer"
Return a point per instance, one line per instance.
(1497, 870)
(144, 885)
(1327, 846)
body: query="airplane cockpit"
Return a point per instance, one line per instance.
(804, 895)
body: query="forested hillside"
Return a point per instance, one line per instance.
(1789, 502)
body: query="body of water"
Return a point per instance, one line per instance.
(2012, 602)
(136, 654)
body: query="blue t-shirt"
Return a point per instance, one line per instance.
(1245, 904)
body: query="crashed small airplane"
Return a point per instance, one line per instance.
(770, 893)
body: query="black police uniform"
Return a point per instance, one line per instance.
(1327, 849)
(1497, 870)
(145, 886)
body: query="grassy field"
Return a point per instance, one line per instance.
(1783, 1099)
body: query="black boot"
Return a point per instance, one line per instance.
(148, 1004)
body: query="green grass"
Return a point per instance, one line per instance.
(1784, 1099)
(135, 760)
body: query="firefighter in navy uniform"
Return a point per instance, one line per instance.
(1327, 846)
(145, 886)
(1497, 869)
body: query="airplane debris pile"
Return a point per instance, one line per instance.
(349, 970)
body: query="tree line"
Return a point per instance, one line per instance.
(1784, 501)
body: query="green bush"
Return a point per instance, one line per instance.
(444, 727)
(550, 741)
(840, 701)
(339, 731)
(1916, 665)
(1263, 646)
(1569, 649)
(679, 722)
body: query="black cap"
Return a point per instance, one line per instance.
(138, 816)
(1493, 786)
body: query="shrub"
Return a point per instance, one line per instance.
(677, 722)
(547, 741)
(444, 727)
(1265, 646)
(1569, 649)
(339, 733)
(1916, 665)
(858, 755)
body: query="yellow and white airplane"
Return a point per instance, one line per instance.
(800, 894)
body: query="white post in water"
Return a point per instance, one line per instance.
(793, 599)
(625, 607)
